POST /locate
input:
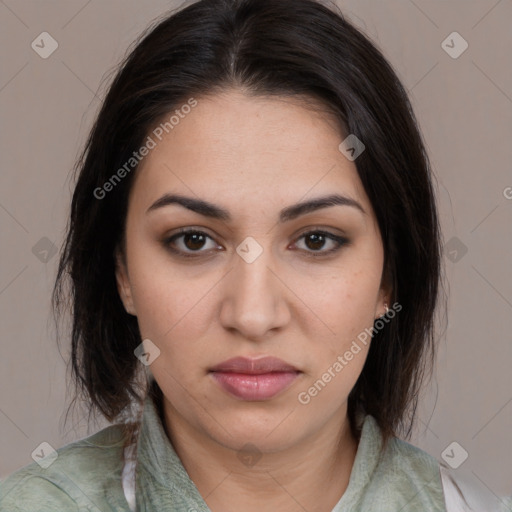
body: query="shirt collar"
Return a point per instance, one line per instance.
(164, 484)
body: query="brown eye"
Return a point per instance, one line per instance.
(189, 243)
(314, 241)
(194, 241)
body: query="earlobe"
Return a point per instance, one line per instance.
(384, 313)
(123, 284)
(384, 298)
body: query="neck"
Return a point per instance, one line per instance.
(313, 474)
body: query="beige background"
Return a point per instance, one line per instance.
(464, 106)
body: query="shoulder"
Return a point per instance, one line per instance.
(80, 475)
(426, 484)
(415, 475)
(398, 458)
(464, 491)
(412, 462)
(404, 477)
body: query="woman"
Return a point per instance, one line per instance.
(254, 254)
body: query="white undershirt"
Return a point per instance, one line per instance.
(129, 476)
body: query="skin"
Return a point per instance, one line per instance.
(254, 156)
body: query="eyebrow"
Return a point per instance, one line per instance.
(213, 211)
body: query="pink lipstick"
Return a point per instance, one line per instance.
(254, 379)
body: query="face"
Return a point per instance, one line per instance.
(253, 275)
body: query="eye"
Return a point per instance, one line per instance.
(194, 243)
(188, 242)
(316, 240)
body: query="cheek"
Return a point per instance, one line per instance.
(162, 292)
(344, 303)
(329, 389)
(174, 310)
(337, 359)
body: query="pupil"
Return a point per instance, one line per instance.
(196, 239)
(318, 241)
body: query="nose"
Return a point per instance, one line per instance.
(255, 300)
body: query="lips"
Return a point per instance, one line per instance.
(254, 379)
(254, 366)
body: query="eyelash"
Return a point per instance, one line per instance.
(340, 241)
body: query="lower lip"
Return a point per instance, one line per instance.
(254, 387)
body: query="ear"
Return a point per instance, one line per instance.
(123, 283)
(385, 294)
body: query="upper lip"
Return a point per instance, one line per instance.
(254, 366)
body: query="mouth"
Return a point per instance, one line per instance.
(254, 379)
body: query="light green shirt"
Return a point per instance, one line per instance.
(87, 475)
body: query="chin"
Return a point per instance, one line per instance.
(269, 432)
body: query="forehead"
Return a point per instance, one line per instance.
(262, 148)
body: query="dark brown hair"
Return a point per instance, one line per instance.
(299, 48)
